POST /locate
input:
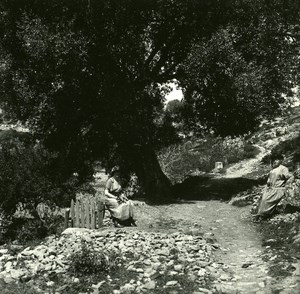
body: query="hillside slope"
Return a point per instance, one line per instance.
(270, 135)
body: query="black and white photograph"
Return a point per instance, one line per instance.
(149, 146)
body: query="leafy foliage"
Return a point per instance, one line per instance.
(87, 77)
(22, 229)
(31, 175)
(179, 161)
(239, 74)
(101, 64)
(87, 261)
(174, 109)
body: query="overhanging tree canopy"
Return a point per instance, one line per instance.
(85, 74)
(245, 71)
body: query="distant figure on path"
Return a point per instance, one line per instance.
(120, 208)
(275, 188)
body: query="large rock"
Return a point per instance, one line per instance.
(150, 285)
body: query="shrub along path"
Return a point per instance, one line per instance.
(241, 250)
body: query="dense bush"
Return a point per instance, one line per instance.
(26, 180)
(32, 185)
(178, 161)
(87, 261)
(23, 230)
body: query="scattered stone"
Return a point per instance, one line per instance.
(261, 284)
(127, 288)
(178, 267)
(203, 290)
(193, 255)
(16, 274)
(155, 275)
(201, 272)
(76, 280)
(245, 265)
(3, 251)
(50, 284)
(139, 270)
(171, 283)
(164, 251)
(270, 241)
(70, 231)
(8, 279)
(224, 277)
(97, 286)
(150, 285)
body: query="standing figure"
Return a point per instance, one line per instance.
(275, 188)
(120, 208)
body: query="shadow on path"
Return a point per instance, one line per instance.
(207, 188)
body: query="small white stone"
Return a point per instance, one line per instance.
(3, 251)
(201, 272)
(178, 267)
(150, 285)
(50, 284)
(171, 283)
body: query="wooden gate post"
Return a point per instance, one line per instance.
(82, 219)
(77, 214)
(67, 215)
(87, 214)
(93, 211)
(72, 212)
(100, 212)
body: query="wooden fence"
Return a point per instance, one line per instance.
(85, 212)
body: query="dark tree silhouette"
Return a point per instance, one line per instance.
(85, 75)
(245, 70)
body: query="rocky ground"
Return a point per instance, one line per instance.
(155, 259)
(188, 247)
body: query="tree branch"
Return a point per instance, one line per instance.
(152, 54)
(168, 73)
(163, 54)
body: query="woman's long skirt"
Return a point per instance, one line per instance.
(270, 198)
(121, 212)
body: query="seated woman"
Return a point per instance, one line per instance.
(274, 190)
(120, 208)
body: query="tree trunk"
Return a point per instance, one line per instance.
(154, 182)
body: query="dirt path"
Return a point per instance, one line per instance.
(246, 166)
(240, 249)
